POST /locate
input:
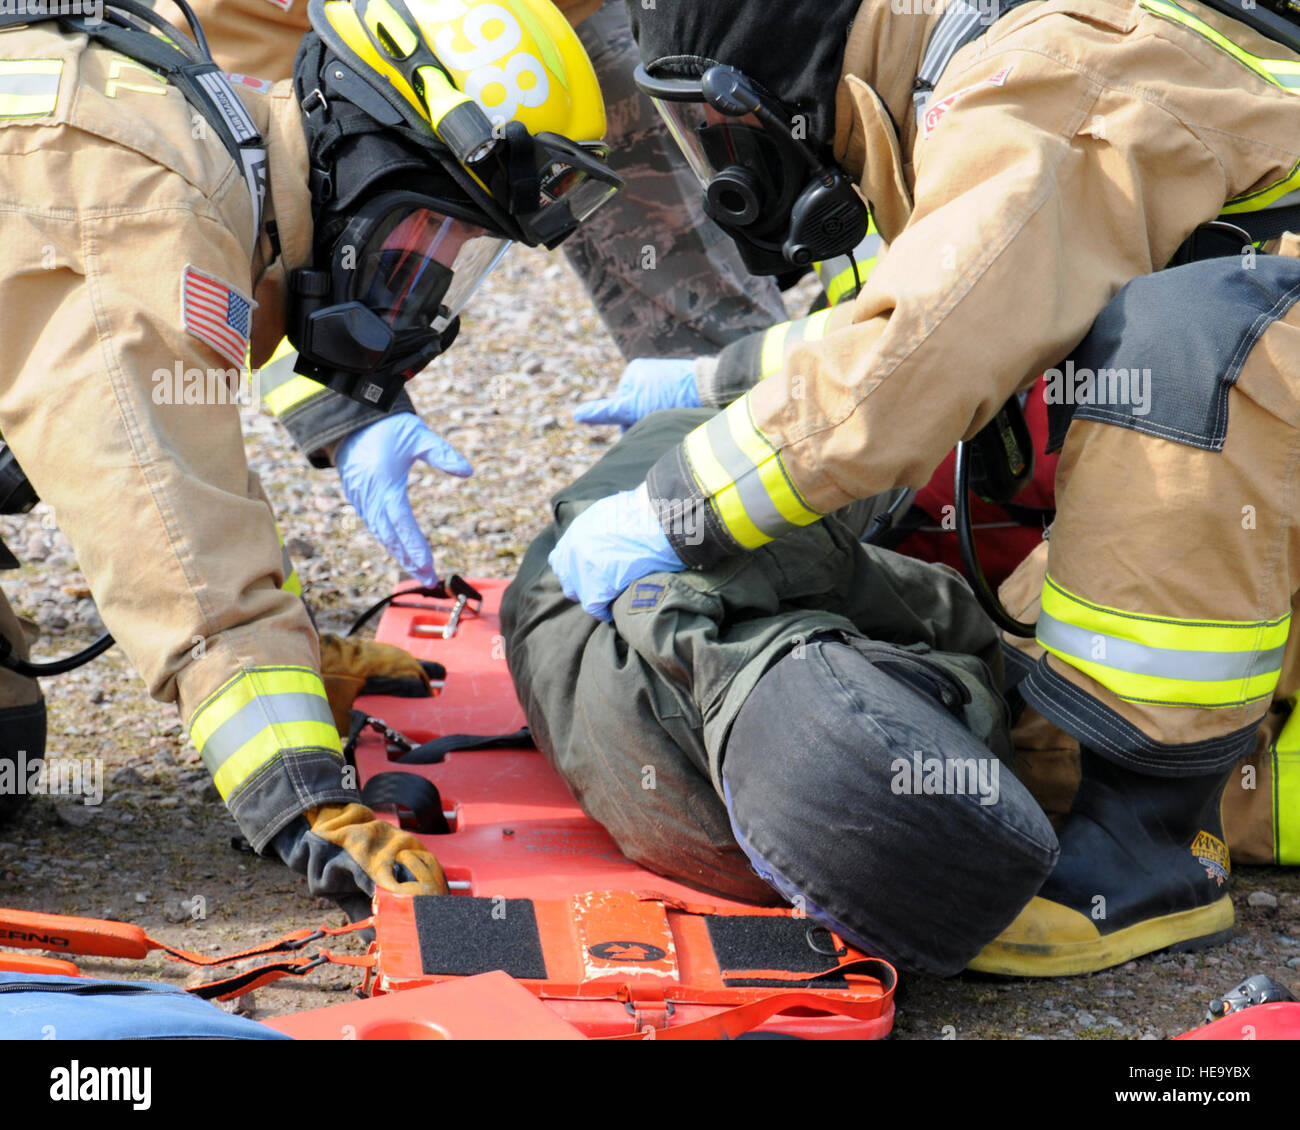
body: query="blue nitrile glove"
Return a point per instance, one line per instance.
(648, 384)
(612, 543)
(374, 463)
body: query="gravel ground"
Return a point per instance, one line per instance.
(158, 851)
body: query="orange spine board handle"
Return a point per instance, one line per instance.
(34, 963)
(98, 937)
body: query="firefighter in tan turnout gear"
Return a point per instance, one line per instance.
(1033, 169)
(155, 222)
(698, 297)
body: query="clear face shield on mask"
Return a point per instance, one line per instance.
(765, 186)
(399, 275)
(417, 267)
(388, 300)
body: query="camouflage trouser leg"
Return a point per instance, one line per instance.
(666, 281)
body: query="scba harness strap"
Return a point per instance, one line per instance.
(199, 79)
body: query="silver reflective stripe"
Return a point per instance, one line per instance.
(957, 25)
(250, 720)
(1288, 201)
(228, 105)
(1162, 662)
(753, 495)
(30, 84)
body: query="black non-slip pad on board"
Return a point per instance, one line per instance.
(745, 943)
(460, 937)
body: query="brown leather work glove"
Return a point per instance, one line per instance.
(393, 859)
(352, 667)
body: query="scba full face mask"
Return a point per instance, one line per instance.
(401, 271)
(748, 89)
(438, 133)
(765, 186)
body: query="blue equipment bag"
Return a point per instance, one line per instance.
(35, 1007)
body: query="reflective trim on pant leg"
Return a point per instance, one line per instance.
(1161, 660)
(1093, 723)
(256, 716)
(1286, 791)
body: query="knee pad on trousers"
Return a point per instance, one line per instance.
(22, 741)
(864, 800)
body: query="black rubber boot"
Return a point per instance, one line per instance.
(1143, 867)
(22, 742)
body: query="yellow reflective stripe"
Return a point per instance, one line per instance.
(779, 340)
(291, 581)
(816, 325)
(233, 695)
(1157, 690)
(290, 394)
(283, 350)
(1165, 632)
(773, 356)
(721, 491)
(268, 745)
(1286, 791)
(846, 282)
(1282, 73)
(29, 88)
(1271, 70)
(255, 716)
(756, 448)
(744, 478)
(1286, 806)
(1162, 660)
(1256, 201)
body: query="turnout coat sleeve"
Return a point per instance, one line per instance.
(1072, 149)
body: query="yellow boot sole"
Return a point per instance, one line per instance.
(1050, 940)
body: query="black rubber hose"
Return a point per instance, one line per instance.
(55, 666)
(970, 559)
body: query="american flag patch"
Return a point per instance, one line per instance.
(216, 314)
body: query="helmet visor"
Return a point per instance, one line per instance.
(417, 267)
